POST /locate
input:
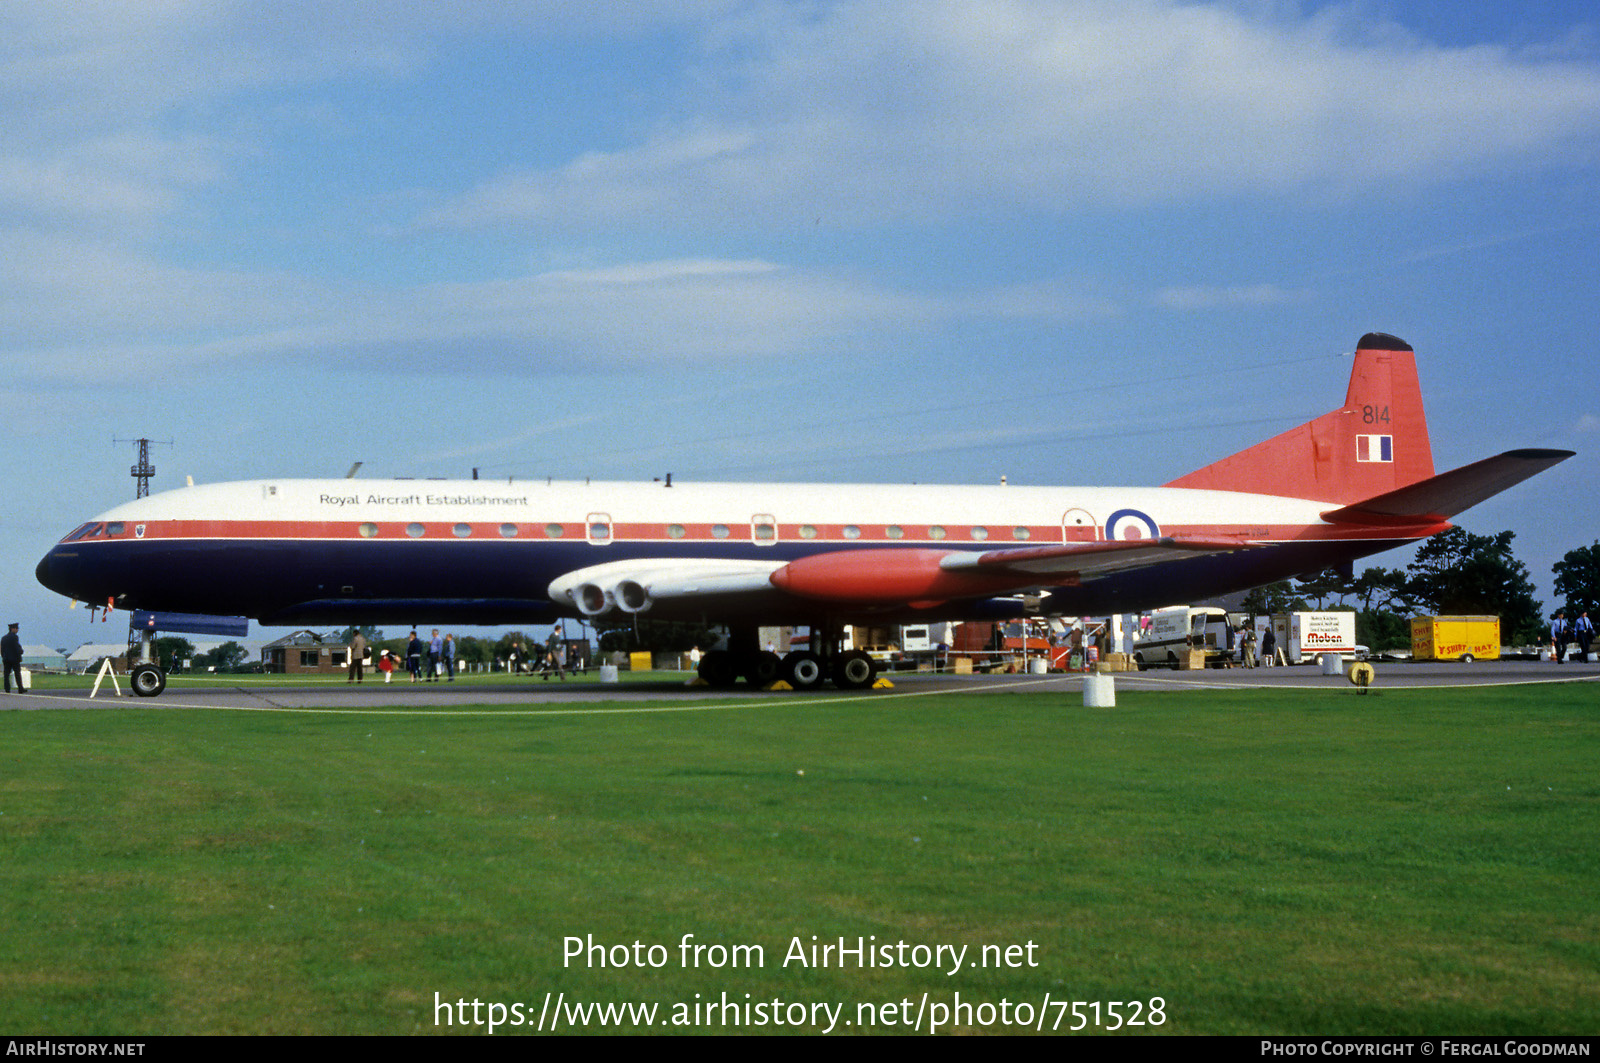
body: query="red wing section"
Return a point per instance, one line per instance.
(926, 577)
(1449, 493)
(1375, 443)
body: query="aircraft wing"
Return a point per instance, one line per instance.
(923, 577)
(915, 577)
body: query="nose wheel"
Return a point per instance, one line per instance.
(147, 680)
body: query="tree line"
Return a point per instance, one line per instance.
(1456, 573)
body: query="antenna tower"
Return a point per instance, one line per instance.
(144, 470)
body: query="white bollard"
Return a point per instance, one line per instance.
(1038, 666)
(1332, 664)
(608, 673)
(1099, 691)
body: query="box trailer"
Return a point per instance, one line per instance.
(1303, 636)
(1455, 638)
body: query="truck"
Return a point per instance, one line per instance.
(1303, 636)
(1179, 629)
(1455, 638)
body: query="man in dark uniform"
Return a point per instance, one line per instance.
(1583, 629)
(11, 652)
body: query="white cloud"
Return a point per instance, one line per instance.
(863, 111)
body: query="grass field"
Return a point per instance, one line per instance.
(1263, 862)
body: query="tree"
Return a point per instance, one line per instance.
(344, 637)
(1384, 620)
(225, 658)
(1384, 590)
(1330, 581)
(172, 650)
(1272, 598)
(1457, 572)
(1578, 580)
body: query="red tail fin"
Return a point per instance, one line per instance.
(1376, 442)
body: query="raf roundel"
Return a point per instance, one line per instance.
(1127, 524)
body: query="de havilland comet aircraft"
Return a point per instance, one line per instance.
(1351, 483)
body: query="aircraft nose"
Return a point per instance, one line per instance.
(42, 573)
(55, 573)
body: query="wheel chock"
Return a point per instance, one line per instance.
(882, 684)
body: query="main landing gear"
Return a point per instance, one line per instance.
(801, 669)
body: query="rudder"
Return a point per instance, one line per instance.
(1376, 442)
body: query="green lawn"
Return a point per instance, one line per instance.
(1263, 862)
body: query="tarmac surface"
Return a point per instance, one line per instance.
(586, 694)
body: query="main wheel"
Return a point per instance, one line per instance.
(147, 680)
(802, 670)
(854, 670)
(763, 669)
(717, 668)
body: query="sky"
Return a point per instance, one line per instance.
(898, 240)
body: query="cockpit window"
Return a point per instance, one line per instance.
(83, 532)
(116, 527)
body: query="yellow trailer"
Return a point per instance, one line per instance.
(1455, 638)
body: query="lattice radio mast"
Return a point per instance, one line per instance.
(144, 470)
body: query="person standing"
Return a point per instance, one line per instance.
(556, 650)
(1583, 630)
(450, 656)
(435, 652)
(11, 653)
(358, 657)
(414, 650)
(1269, 647)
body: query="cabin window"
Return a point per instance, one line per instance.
(676, 531)
(894, 531)
(1021, 533)
(415, 530)
(552, 531)
(720, 531)
(508, 531)
(852, 532)
(936, 532)
(462, 531)
(763, 528)
(808, 531)
(980, 533)
(368, 530)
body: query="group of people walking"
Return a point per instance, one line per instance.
(427, 661)
(439, 653)
(552, 657)
(1564, 632)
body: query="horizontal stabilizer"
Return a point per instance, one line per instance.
(1449, 493)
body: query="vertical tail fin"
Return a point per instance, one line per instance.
(1376, 442)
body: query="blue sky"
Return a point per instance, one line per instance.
(900, 240)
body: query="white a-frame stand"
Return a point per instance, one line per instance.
(106, 670)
